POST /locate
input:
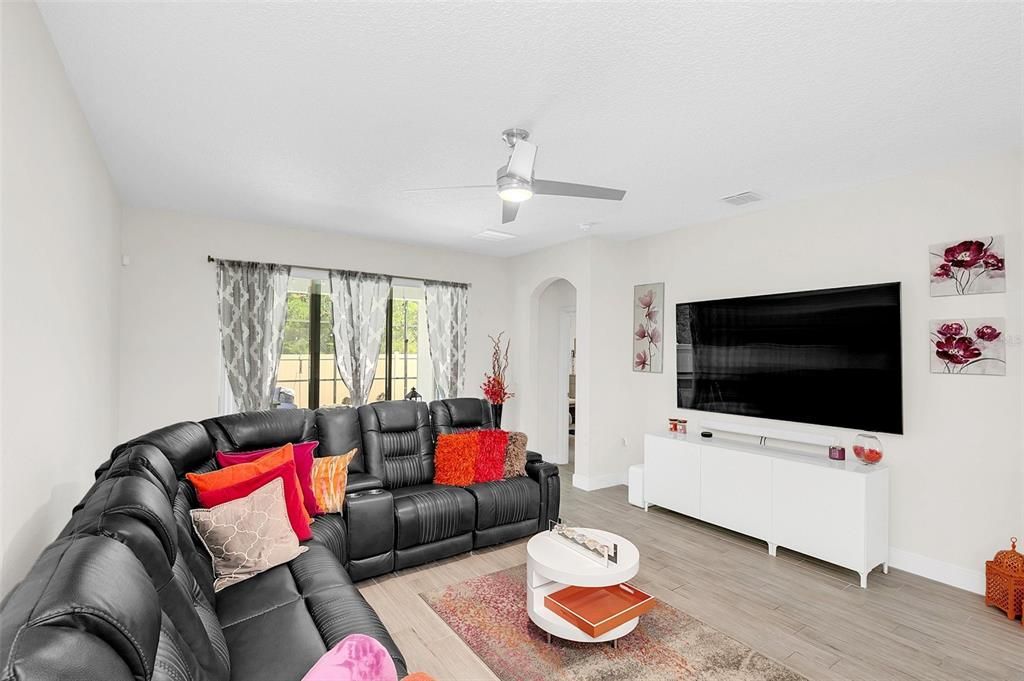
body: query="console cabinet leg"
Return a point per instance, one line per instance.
(863, 580)
(885, 568)
(772, 549)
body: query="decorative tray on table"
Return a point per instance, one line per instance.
(597, 610)
(587, 545)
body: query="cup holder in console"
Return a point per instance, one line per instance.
(369, 493)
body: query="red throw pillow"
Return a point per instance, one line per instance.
(303, 455)
(241, 480)
(490, 459)
(455, 458)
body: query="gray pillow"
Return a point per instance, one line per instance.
(247, 536)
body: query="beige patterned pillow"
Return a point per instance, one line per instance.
(249, 535)
(515, 455)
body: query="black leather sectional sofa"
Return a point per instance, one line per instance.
(126, 591)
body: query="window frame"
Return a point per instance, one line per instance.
(316, 297)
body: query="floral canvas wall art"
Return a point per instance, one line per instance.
(648, 328)
(968, 346)
(965, 267)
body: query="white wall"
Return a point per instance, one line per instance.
(60, 273)
(957, 471)
(170, 359)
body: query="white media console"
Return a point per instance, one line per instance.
(837, 511)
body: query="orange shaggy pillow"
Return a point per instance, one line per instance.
(455, 458)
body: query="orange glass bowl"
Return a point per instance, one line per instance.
(867, 449)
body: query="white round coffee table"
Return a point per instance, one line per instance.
(551, 565)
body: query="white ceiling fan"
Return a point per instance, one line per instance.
(516, 182)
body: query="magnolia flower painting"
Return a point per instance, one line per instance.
(648, 328)
(965, 267)
(968, 346)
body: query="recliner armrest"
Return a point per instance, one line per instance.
(538, 470)
(370, 517)
(546, 475)
(362, 482)
(533, 456)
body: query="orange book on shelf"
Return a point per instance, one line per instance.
(597, 610)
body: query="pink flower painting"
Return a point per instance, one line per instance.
(970, 266)
(648, 333)
(968, 346)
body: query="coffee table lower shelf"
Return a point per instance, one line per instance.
(554, 625)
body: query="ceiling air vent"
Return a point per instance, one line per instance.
(742, 199)
(494, 235)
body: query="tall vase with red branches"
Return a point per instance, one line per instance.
(494, 386)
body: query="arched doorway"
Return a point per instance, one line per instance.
(556, 370)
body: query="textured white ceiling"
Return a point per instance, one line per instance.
(321, 114)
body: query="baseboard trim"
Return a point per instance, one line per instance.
(589, 484)
(937, 570)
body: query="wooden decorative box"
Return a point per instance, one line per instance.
(597, 610)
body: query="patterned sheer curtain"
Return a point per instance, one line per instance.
(359, 301)
(251, 302)
(447, 327)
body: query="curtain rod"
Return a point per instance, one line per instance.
(210, 258)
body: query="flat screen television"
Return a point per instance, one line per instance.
(830, 357)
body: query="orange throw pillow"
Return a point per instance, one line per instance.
(241, 480)
(455, 458)
(329, 477)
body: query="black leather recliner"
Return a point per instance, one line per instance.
(431, 521)
(463, 414)
(506, 509)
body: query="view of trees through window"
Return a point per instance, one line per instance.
(308, 367)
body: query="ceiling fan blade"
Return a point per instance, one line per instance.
(461, 186)
(521, 162)
(584, 191)
(508, 211)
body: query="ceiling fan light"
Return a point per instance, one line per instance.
(515, 194)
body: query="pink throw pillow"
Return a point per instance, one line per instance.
(356, 657)
(303, 453)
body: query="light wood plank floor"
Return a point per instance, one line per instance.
(808, 614)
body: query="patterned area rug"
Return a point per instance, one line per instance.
(489, 614)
